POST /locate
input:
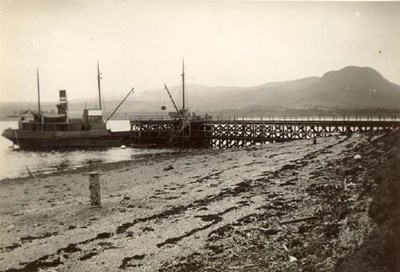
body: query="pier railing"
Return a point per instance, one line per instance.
(381, 118)
(389, 118)
(150, 118)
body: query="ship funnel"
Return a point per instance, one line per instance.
(63, 106)
(63, 96)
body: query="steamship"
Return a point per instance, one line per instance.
(58, 131)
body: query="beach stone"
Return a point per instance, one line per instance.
(10, 227)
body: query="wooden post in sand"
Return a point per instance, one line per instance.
(314, 139)
(94, 187)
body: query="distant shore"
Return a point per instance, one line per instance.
(280, 207)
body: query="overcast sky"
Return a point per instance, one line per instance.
(141, 44)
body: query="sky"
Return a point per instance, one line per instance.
(142, 44)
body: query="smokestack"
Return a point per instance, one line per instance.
(63, 106)
(63, 96)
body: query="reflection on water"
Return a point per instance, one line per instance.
(14, 163)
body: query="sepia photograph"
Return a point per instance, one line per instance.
(203, 136)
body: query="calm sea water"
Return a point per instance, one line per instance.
(14, 163)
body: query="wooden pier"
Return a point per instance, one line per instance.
(233, 131)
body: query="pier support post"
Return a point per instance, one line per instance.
(314, 139)
(94, 187)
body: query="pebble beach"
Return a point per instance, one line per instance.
(294, 206)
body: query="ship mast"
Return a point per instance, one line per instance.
(98, 84)
(38, 90)
(183, 84)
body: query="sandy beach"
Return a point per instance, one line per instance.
(206, 210)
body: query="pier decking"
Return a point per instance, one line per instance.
(233, 131)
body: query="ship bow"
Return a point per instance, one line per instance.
(9, 134)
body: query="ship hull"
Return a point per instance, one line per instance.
(26, 139)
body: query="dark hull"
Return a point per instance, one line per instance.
(27, 139)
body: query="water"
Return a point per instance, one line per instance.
(14, 163)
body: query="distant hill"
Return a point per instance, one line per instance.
(357, 88)
(351, 89)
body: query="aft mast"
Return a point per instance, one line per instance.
(38, 90)
(98, 83)
(183, 85)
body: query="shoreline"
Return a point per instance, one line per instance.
(94, 166)
(207, 210)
